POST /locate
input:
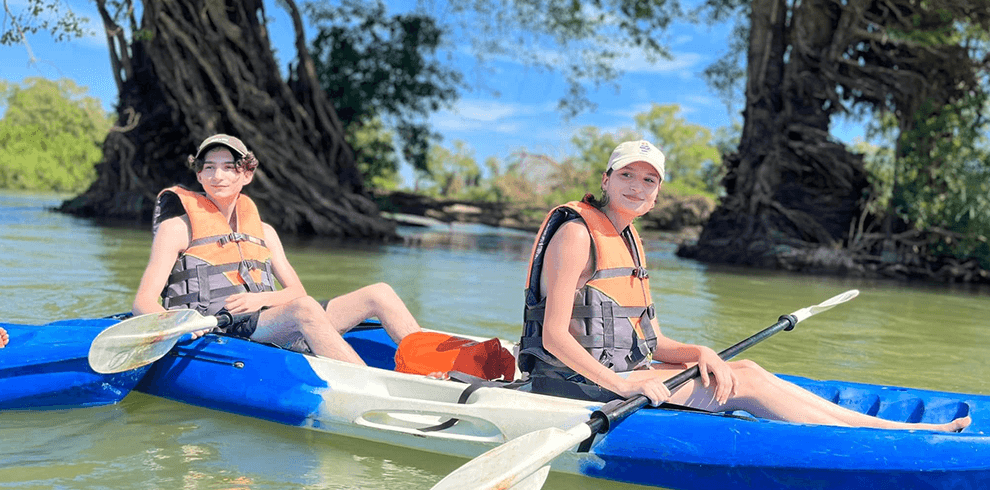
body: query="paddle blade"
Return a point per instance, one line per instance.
(516, 464)
(826, 305)
(143, 339)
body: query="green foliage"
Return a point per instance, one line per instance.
(374, 152)
(377, 67)
(941, 179)
(693, 160)
(691, 154)
(50, 136)
(451, 174)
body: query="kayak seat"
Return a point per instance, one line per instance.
(905, 410)
(374, 346)
(939, 410)
(860, 401)
(823, 390)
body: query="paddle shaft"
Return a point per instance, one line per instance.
(603, 418)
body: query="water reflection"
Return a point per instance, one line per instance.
(505, 243)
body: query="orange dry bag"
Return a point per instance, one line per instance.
(430, 352)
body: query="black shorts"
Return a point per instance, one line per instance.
(243, 326)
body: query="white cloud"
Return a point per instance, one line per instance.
(485, 110)
(683, 62)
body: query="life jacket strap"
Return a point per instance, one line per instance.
(589, 341)
(638, 272)
(604, 310)
(222, 240)
(187, 274)
(203, 296)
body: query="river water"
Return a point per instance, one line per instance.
(463, 278)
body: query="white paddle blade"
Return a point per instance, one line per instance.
(826, 305)
(512, 464)
(143, 339)
(534, 481)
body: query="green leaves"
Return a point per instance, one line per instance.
(50, 136)
(385, 68)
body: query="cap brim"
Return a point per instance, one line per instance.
(625, 161)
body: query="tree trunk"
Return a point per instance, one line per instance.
(788, 184)
(199, 67)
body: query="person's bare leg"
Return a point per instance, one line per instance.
(282, 324)
(767, 396)
(377, 300)
(854, 418)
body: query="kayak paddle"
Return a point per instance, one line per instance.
(144, 339)
(523, 463)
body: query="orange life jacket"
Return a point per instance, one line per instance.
(616, 309)
(431, 352)
(219, 261)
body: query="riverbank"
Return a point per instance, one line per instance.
(678, 218)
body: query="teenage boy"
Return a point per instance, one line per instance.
(212, 252)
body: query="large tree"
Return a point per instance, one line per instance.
(186, 69)
(789, 183)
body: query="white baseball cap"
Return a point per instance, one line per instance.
(637, 151)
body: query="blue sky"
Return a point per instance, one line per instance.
(523, 115)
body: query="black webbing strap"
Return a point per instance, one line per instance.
(222, 240)
(474, 383)
(206, 294)
(187, 274)
(590, 311)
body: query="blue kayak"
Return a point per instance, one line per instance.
(656, 447)
(46, 366)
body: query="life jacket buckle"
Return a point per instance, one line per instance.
(641, 273)
(232, 237)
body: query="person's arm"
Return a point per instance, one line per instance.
(292, 287)
(171, 239)
(568, 255)
(672, 351)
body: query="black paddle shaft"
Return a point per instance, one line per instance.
(603, 418)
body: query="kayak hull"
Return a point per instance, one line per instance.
(666, 448)
(47, 367)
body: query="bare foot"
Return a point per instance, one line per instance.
(956, 425)
(4, 338)
(959, 424)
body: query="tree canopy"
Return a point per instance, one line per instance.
(50, 135)
(376, 66)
